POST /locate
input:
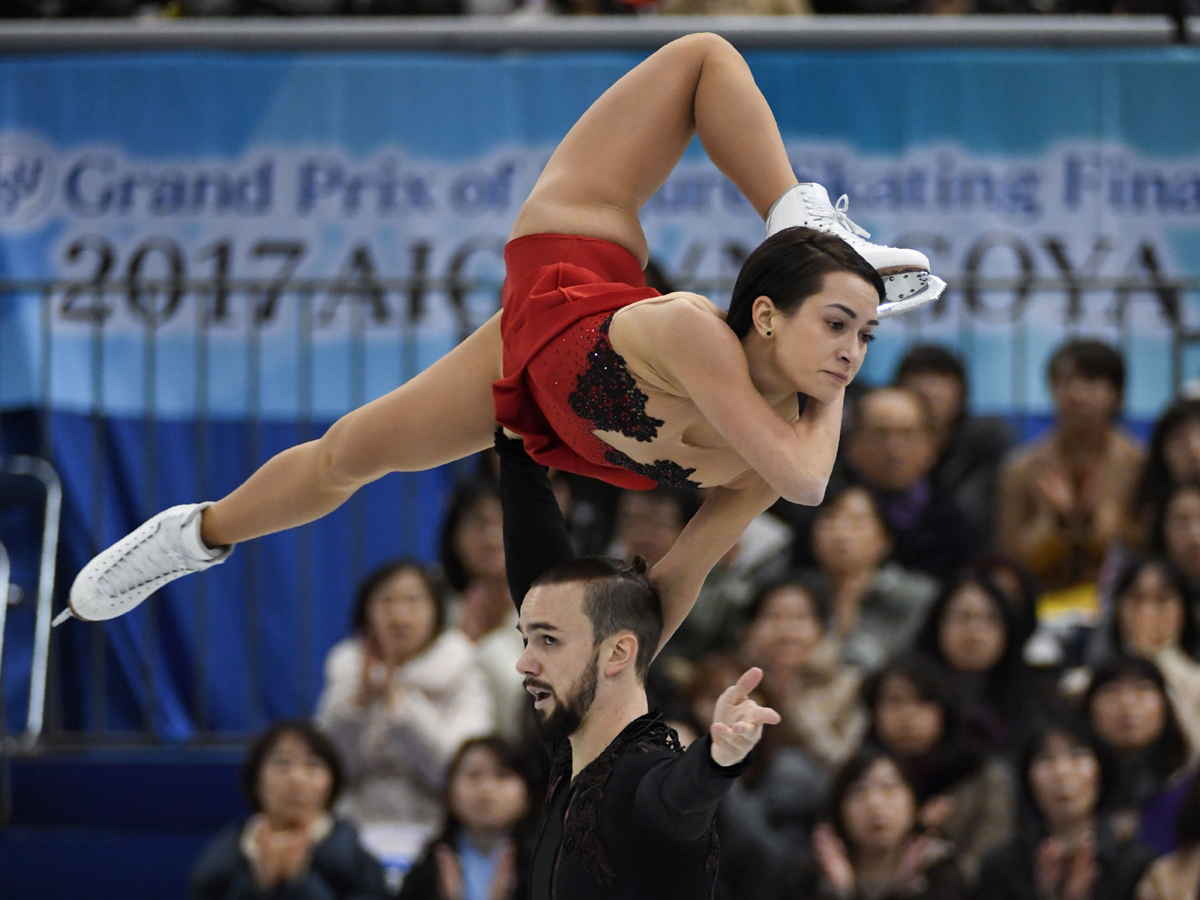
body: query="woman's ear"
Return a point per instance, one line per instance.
(763, 313)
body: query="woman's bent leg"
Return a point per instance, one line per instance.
(443, 414)
(623, 148)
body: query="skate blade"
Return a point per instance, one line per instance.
(62, 617)
(934, 288)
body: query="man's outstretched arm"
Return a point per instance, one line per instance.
(535, 533)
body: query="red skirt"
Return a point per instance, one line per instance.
(561, 379)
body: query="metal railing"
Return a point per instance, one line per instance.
(38, 470)
(969, 306)
(493, 33)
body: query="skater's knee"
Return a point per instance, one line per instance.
(707, 45)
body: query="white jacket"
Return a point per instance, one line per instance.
(395, 754)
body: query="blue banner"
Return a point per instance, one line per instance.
(173, 167)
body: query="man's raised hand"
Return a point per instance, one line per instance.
(738, 721)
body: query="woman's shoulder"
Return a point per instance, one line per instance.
(657, 324)
(444, 663)
(220, 859)
(341, 857)
(345, 658)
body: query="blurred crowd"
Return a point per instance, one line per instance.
(984, 653)
(541, 8)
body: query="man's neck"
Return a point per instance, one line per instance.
(604, 721)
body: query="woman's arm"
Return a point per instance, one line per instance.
(698, 352)
(709, 535)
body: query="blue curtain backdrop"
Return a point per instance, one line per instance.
(1023, 163)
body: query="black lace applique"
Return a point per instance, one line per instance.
(607, 396)
(581, 826)
(664, 471)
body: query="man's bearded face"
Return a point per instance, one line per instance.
(558, 716)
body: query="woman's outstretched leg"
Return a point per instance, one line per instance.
(441, 415)
(624, 147)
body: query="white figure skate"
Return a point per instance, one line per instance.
(164, 548)
(905, 273)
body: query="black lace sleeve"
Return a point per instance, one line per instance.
(535, 534)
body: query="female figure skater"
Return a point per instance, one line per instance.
(599, 374)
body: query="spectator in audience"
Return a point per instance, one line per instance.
(1153, 620)
(1131, 713)
(1177, 536)
(291, 848)
(1064, 498)
(1176, 876)
(472, 545)
(877, 606)
(892, 449)
(1071, 852)
(815, 692)
(967, 793)
(970, 448)
(767, 815)
(1020, 590)
(871, 848)
(484, 848)
(1172, 459)
(400, 696)
(969, 632)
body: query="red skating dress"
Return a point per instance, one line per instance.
(562, 381)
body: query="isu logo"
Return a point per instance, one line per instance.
(26, 179)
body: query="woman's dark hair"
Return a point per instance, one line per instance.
(1158, 539)
(851, 773)
(817, 598)
(928, 638)
(1024, 608)
(261, 747)
(1170, 750)
(373, 582)
(1130, 569)
(1089, 358)
(1009, 689)
(835, 492)
(1078, 731)
(1187, 823)
(789, 267)
(1155, 482)
(931, 359)
(510, 759)
(959, 751)
(467, 495)
(928, 679)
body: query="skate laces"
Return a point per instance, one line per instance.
(134, 569)
(837, 213)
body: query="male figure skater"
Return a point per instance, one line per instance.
(627, 815)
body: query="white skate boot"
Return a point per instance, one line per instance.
(164, 548)
(905, 273)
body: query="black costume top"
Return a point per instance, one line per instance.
(637, 822)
